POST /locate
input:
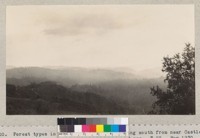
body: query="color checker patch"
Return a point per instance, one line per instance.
(89, 125)
(99, 128)
(107, 128)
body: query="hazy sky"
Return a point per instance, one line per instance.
(97, 36)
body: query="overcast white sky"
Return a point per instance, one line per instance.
(136, 36)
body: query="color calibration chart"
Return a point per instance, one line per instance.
(92, 127)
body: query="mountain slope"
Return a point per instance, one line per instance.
(50, 98)
(122, 87)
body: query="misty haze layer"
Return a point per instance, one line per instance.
(125, 90)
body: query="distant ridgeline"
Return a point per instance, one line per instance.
(51, 91)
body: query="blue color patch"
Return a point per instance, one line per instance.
(122, 128)
(114, 128)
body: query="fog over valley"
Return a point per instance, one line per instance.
(116, 84)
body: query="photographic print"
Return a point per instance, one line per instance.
(100, 60)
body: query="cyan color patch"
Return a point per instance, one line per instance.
(114, 128)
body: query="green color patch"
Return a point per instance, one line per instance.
(107, 128)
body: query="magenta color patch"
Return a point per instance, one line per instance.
(85, 128)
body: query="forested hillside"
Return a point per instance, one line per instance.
(50, 98)
(65, 91)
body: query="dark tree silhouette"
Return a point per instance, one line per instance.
(179, 97)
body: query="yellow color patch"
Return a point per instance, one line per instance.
(99, 128)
